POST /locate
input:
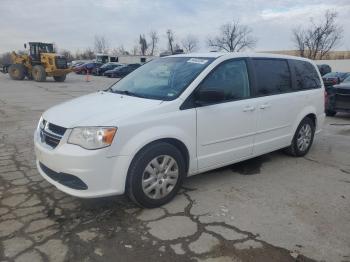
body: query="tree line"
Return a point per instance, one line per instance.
(313, 41)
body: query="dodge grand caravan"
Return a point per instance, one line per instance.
(178, 116)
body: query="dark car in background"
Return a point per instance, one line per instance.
(86, 67)
(77, 64)
(334, 78)
(324, 69)
(123, 70)
(338, 98)
(105, 67)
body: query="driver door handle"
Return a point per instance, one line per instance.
(264, 106)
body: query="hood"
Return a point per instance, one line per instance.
(343, 85)
(98, 109)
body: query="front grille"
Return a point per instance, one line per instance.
(64, 179)
(57, 129)
(61, 62)
(51, 134)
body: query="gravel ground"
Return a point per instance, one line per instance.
(270, 208)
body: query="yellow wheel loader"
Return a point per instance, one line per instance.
(41, 62)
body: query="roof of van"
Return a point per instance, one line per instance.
(239, 54)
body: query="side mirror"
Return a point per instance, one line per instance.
(25, 46)
(207, 97)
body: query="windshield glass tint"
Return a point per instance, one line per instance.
(347, 79)
(162, 78)
(332, 74)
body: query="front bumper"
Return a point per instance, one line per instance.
(102, 175)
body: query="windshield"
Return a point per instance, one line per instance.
(162, 78)
(334, 74)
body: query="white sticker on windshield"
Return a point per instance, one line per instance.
(197, 61)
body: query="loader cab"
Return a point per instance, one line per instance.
(36, 48)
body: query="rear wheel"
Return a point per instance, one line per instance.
(330, 113)
(38, 73)
(155, 175)
(60, 78)
(17, 71)
(303, 138)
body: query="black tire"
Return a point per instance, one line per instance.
(330, 113)
(136, 172)
(17, 71)
(38, 73)
(293, 149)
(60, 78)
(5, 69)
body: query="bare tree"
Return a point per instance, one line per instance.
(233, 37)
(143, 44)
(120, 50)
(101, 44)
(5, 58)
(190, 43)
(299, 41)
(67, 54)
(135, 50)
(86, 54)
(319, 38)
(154, 41)
(171, 38)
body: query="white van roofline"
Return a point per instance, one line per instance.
(239, 54)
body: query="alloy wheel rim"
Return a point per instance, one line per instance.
(160, 177)
(304, 137)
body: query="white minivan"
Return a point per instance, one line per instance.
(177, 116)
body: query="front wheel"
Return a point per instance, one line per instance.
(303, 138)
(17, 71)
(155, 175)
(38, 73)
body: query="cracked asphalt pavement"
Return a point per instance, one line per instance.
(270, 208)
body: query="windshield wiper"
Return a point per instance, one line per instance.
(126, 92)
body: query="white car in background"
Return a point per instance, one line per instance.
(178, 116)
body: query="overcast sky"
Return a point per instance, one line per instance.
(72, 24)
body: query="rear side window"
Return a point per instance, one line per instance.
(272, 76)
(305, 75)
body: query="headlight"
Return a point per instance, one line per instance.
(92, 137)
(41, 123)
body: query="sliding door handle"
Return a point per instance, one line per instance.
(264, 106)
(248, 109)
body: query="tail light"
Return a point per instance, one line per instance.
(334, 81)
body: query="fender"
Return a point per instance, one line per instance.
(302, 114)
(136, 143)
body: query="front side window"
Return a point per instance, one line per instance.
(305, 75)
(163, 78)
(272, 76)
(231, 78)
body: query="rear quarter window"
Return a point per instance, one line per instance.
(306, 76)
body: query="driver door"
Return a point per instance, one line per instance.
(226, 128)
